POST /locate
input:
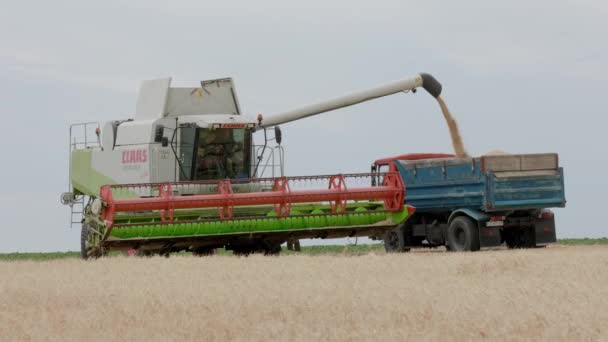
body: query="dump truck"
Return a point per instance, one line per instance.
(183, 174)
(465, 204)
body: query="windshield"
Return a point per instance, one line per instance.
(222, 153)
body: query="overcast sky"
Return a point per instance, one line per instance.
(520, 76)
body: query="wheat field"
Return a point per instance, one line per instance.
(545, 294)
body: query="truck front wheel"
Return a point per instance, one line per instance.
(394, 241)
(463, 235)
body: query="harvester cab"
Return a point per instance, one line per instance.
(184, 174)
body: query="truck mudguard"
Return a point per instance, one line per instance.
(474, 214)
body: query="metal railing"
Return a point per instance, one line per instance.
(272, 164)
(82, 136)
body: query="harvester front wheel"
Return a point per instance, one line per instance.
(89, 243)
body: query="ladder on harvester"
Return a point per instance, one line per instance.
(82, 136)
(76, 211)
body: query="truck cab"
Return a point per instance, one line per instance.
(470, 203)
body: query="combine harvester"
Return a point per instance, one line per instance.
(184, 175)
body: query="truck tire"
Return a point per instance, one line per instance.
(394, 241)
(511, 238)
(520, 238)
(463, 235)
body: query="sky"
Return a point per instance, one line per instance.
(520, 76)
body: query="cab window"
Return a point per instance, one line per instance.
(222, 153)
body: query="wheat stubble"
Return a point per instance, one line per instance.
(557, 293)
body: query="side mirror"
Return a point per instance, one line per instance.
(158, 134)
(278, 135)
(164, 142)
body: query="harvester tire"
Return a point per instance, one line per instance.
(463, 235)
(144, 253)
(86, 250)
(203, 251)
(242, 251)
(84, 236)
(272, 249)
(294, 245)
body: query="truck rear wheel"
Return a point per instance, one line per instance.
(520, 238)
(463, 235)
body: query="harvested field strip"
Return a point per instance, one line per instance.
(558, 292)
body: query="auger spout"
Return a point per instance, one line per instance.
(424, 80)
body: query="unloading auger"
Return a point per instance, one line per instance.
(184, 175)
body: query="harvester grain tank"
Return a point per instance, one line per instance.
(184, 174)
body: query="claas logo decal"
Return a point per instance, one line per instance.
(135, 156)
(233, 125)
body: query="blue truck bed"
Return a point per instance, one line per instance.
(488, 184)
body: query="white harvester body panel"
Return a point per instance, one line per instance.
(213, 97)
(157, 99)
(152, 99)
(125, 164)
(136, 132)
